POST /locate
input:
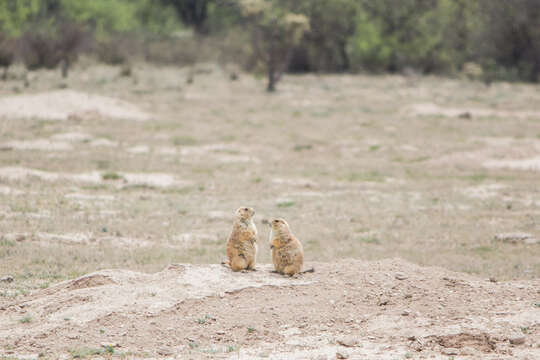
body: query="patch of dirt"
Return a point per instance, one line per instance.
(531, 164)
(63, 104)
(6, 190)
(89, 197)
(483, 191)
(73, 137)
(160, 180)
(39, 144)
(385, 309)
(85, 239)
(430, 109)
(480, 342)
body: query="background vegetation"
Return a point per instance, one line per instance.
(485, 39)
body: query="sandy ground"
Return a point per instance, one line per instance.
(106, 180)
(386, 309)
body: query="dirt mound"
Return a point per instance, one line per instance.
(63, 104)
(387, 309)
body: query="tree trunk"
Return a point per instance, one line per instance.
(346, 64)
(65, 68)
(271, 78)
(4, 74)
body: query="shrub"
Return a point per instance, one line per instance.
(7, 54)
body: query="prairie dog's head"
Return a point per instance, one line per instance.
(280, 226)
(244, 213)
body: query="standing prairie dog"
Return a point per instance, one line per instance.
(242, 242)
(287, 251)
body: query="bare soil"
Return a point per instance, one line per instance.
(106, 180)
(386, 309)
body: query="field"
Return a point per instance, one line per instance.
(148, 170)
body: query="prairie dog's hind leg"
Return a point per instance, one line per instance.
(238, 263)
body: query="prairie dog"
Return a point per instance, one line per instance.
(242, 242)
(287, 251)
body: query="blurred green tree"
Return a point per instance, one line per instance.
(274, 33)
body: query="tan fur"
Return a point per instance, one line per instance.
(287, 251)
(242, 242)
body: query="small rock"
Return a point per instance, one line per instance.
(405, 313)
(348, 341)
(72, 336)
(321, 357)
(164, 351)
(383, 300)
(342, 355)
(401, 276)
(449, 351)
(466, 115)
(220, 332)
(492, 279)
(517, 340)
(7, 279)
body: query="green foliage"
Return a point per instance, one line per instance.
(14, 15)
(103, 16)
(275, 30)
(478, 39)
(367, 47)
(114, 16)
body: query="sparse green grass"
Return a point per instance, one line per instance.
(299, 148)
(4, 242)
(372, 186)
(203, 320)
(480, 177)
(369, 239)
(83, 353)
(111, 176)
(286, 204)
(26, 319)
(482, 249)
(184, 141)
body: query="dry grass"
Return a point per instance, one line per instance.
(342, 158)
